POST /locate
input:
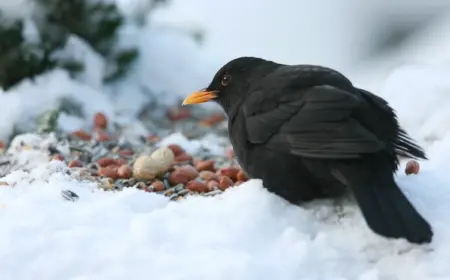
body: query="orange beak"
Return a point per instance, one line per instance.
(200, 96)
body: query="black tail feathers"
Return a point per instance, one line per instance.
(389, 213)
(385, 208)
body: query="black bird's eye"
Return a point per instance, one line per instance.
(226, 79)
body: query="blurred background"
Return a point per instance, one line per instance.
(364, 39)
(118, 56)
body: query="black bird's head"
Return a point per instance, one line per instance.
(231, 83)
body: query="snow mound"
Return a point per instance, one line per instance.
(247, 230)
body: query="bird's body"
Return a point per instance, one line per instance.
(308, 133)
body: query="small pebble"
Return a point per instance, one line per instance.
(213, 193)
(183, 192)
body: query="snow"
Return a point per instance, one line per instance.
(16, 9)
(246, 233)
(254, 234)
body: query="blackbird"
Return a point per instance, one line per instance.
(308, 133)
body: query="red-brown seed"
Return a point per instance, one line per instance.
(176, 149)
(241, 176)
(110, 172)
(197, 186)
(177, 177)
(208, 165)
(158, 186)
(100, 120)
(189, 170)
(225, 183)
(213, 120)
(209, 175)
(238, 183)
(82, 135)
(124, 171)
(2, 145)
(106, 161)
(121, 161)
(212, 185)
(75, 163)
(58, 157)
(125, 152)
(183, 158)
(230, 171)
(412, 167)
(180, 113)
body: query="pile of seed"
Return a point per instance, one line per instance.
(167, 170)
(114, 163)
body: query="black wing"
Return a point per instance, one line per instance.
(317, 122)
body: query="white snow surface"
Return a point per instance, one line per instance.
(246, 233)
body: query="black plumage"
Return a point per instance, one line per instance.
(308, 133)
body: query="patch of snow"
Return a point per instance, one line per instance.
(172, 65)
(107, 235)
(29, 99)
(16, 9)
(78, 50)
(30, 31)
(69, 122)
(421, 96)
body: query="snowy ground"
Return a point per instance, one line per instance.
(246, 233)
